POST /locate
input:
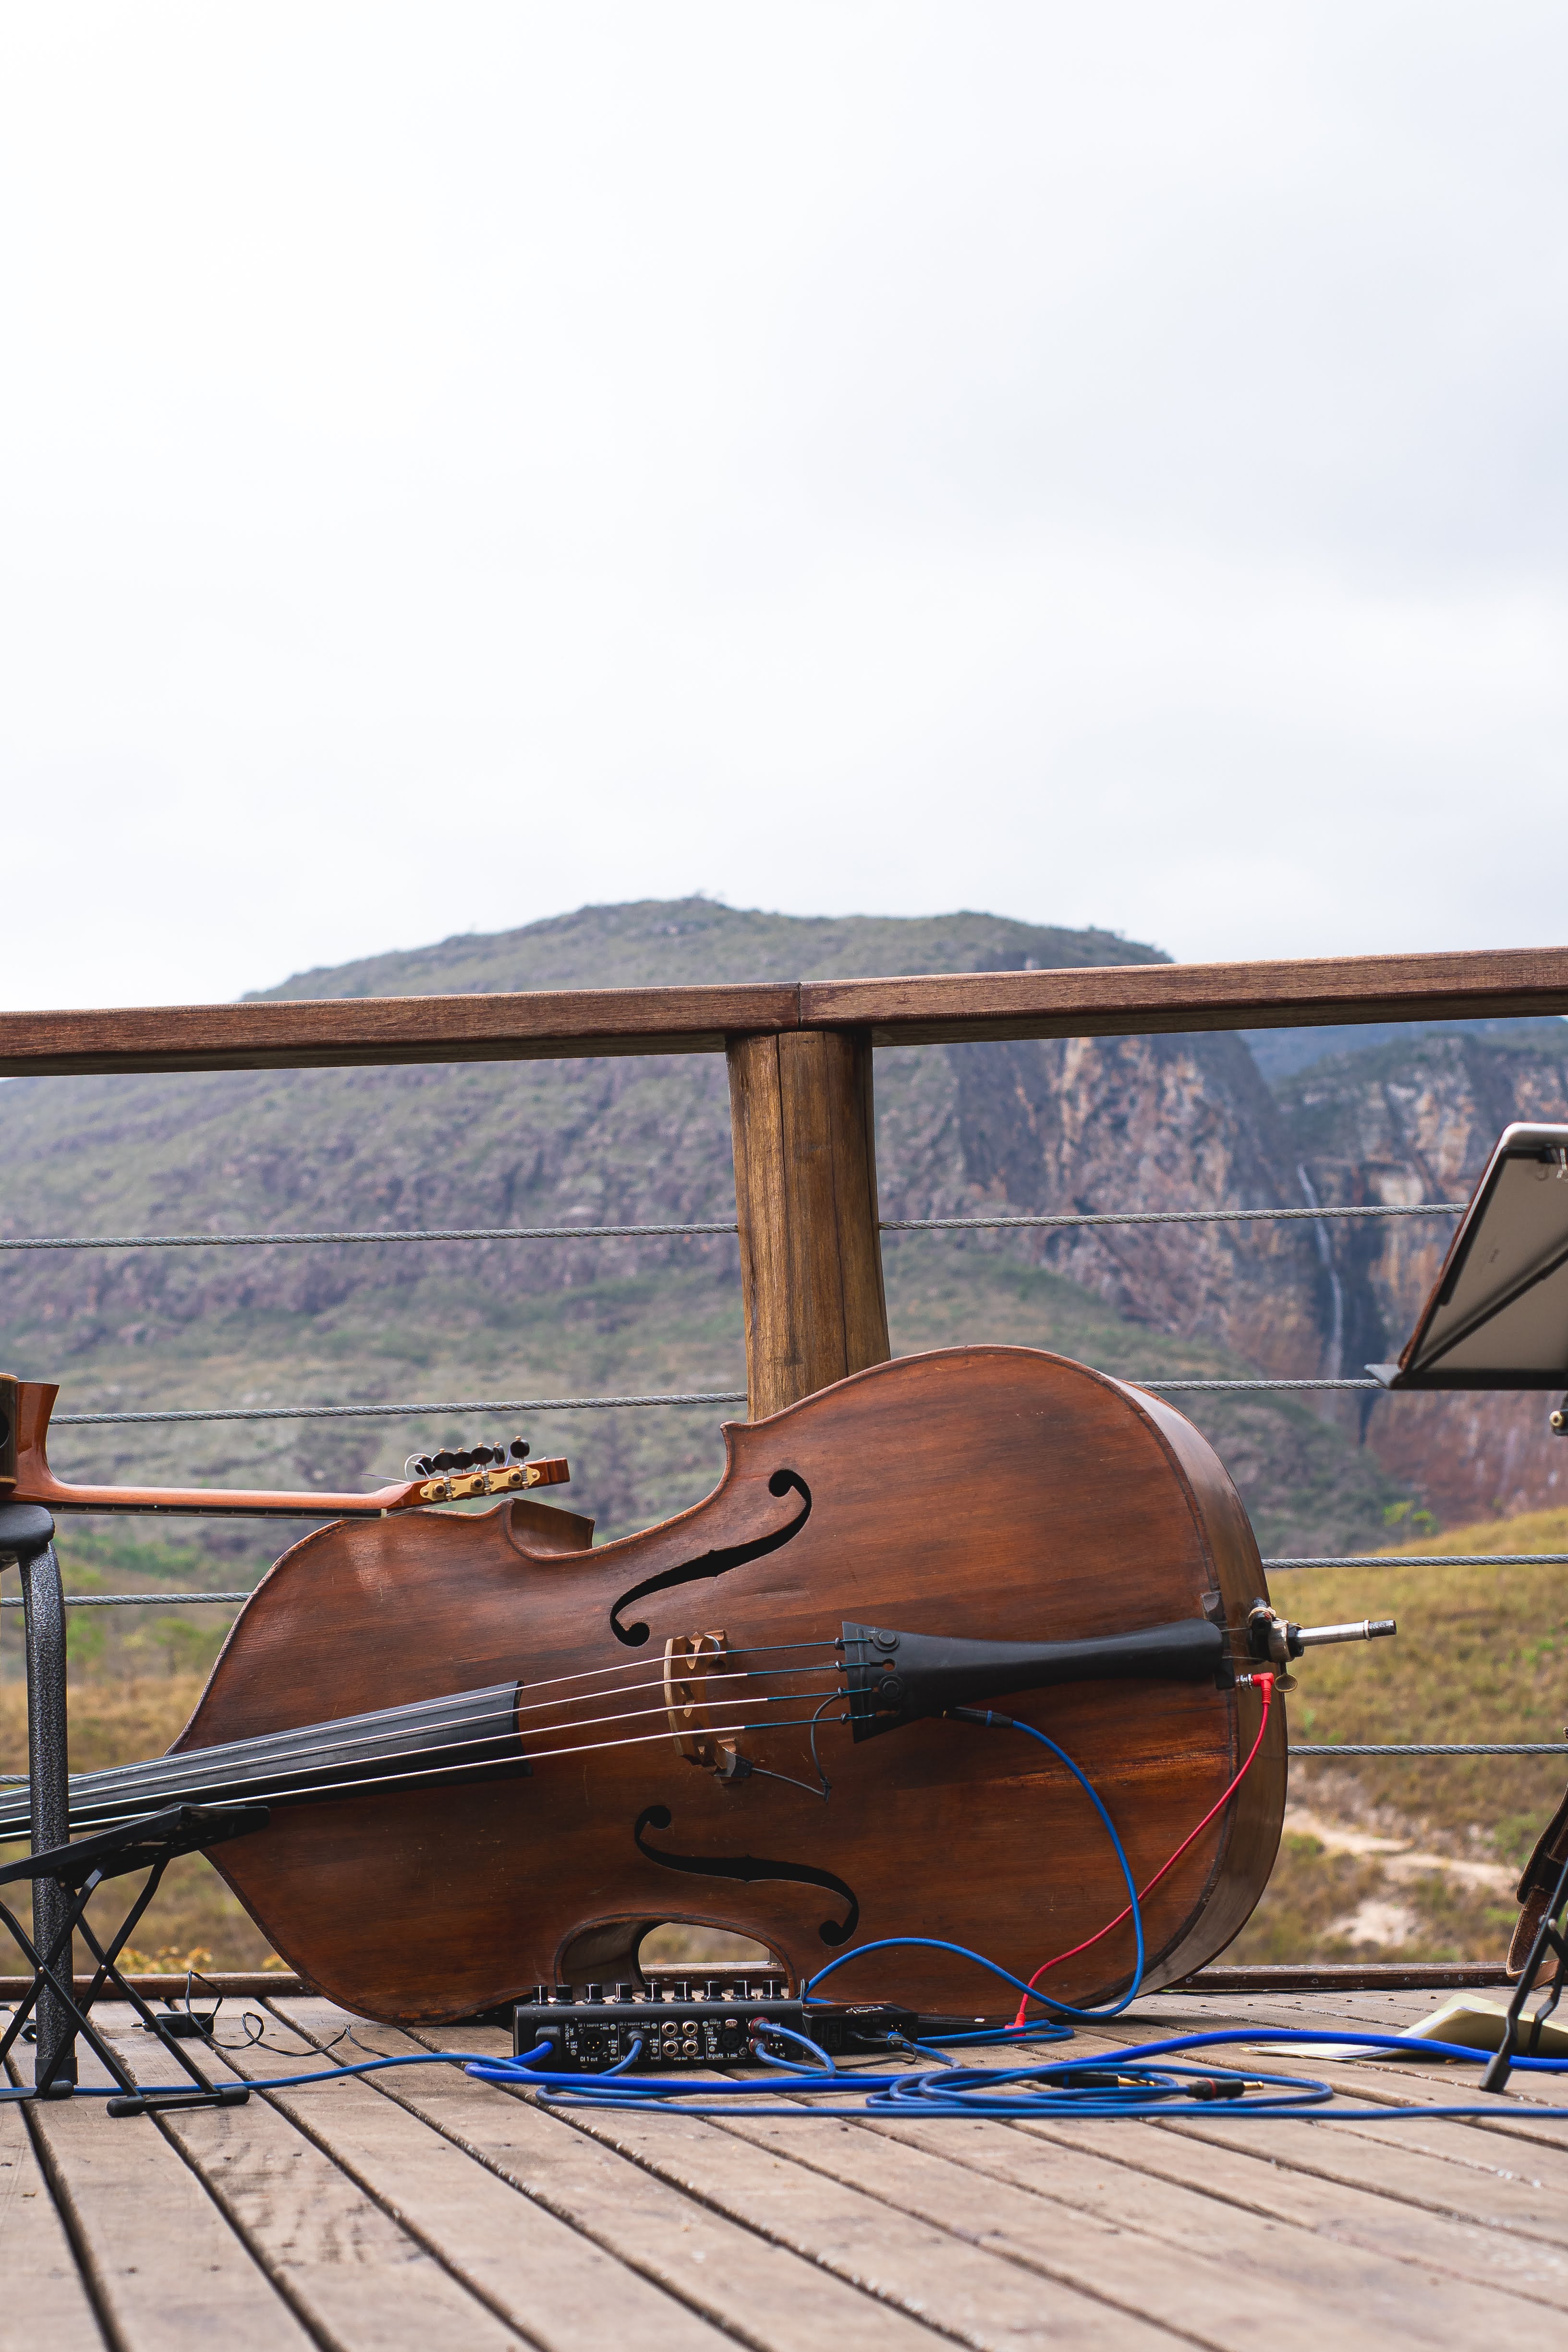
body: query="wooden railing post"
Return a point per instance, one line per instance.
(805, 1194)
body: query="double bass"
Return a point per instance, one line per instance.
(496, 1753)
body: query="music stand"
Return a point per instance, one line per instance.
(1498, 1319)
(1498, 1314)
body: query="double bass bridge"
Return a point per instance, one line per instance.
(692, 1663)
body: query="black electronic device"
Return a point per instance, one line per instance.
(589, 2035)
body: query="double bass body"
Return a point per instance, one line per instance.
(987, 1493)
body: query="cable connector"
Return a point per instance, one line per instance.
(1264, 1682)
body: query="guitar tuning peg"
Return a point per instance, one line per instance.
(443, 1461)
(518, 1450)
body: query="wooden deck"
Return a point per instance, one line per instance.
(424, 2209)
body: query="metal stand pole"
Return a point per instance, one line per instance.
(27, 1532)
(1549, 1940)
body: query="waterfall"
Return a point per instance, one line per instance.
(1336, 1347)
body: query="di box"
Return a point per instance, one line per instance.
(589, 2035)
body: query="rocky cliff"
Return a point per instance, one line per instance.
(1416, 1122)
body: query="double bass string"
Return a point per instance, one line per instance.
(206, 1768)
(165, 1776)
(745, 1650)
(120, 1795)
(259, 1790)
(303, 1747)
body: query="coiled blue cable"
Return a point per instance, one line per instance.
(1126, 2084)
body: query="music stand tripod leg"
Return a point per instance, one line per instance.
(1549, 1938)
(26, 1533)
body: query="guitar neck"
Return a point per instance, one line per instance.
(26, 1477)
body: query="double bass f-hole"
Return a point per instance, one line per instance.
(750, 1869)
(717, 1563)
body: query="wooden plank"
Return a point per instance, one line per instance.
(805, 1196)
(1106, 1000)
(44, 2301)
(1436, 2274)
(532, 2267)
(1458, 2181)
(337, 1032)
(1404, 2206)
(714, 2264)
(163, 2265)
(1099, 1000)
(1538, 2176)
(1184, 2254)
(1527, 2110)
(359, 2280)
(808, 2241)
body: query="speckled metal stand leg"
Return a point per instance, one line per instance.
(26, 1533)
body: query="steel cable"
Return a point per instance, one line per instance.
(368, 1235)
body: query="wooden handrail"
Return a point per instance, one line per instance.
(947, 1008)
(334, 1031)
(1119, 1000)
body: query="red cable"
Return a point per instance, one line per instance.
(1265, 1683)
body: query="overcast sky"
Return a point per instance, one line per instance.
(1098, 464)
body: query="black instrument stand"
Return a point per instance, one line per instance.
(72, 1874)
(1549, 1940)
(65, 1877)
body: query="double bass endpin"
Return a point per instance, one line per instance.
(1273, 1641)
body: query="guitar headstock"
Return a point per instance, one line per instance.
(447, 1477)
(458, 1475)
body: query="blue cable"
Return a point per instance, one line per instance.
(786, 2033)
(1117, 2083)
(1120, 2084)
(290, 2082)
(933, 1944)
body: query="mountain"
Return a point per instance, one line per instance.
(1152, 1123)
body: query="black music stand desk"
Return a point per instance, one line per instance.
(1498, 1314)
